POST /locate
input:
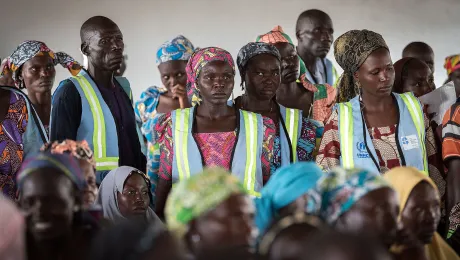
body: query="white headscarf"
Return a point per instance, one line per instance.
(107, 197)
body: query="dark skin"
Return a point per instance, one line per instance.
(290, 93)
(376, 77)
(262, 79)
(37, 75)
(215, 84)
(6, 80)
(419, 78)
(230, 225)
(422, 52)
(134, 201)
(290, 243)
(314, 32)
(421, 214)
(49, 200)
(174, 78)
(294, 207)
(91, 189)
(375, 215)
(103, 45)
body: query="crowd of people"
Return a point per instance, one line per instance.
(305, 164)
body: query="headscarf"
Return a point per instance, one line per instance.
(277, 35)
(400, 69)
(286, 185)
(196, 63)
(284, 223)
(251, 50)
(108, 193)
(342, 188)
(64, 163)
(29, 49)
(351, 50)
(78, 149)
(12, 225)
(404, 180)
(179, 48)
(197, 195)
(452, 63)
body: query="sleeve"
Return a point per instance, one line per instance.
(145, 111)
(451, 133)
(66, 112)
(329, 149)
(163, 137)
(267, 149)
(310, 135)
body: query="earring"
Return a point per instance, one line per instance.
(233, 98)
(76, 208)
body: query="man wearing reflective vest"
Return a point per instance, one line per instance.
(96, 106)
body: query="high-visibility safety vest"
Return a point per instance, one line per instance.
(97, 125)
(290, 130)
(246, 161)
(356, 147)
(290, 126)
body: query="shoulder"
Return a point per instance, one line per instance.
(66, 88)
(163, 122)
(452, 114)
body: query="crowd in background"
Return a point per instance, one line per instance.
(305, 164)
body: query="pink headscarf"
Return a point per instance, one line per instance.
(12, 245)
(196, 63)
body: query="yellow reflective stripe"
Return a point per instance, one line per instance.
(254, 193)
(250, 124)
(346, 134)
(417, 116)
(336, 76)
(180, 143)
(292, 119)
(99, 137)
(107, 163)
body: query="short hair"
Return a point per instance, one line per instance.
(308, 14)
(93, 24)
(416, 47)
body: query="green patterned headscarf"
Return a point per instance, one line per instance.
(351, 50)
(197, 195)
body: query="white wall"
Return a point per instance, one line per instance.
(225, 23)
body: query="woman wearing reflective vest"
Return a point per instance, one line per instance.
(260, 69)
(373, 128)
(212, 133)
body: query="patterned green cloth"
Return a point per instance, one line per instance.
(197, 195)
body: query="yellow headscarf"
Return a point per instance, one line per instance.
(404, 180)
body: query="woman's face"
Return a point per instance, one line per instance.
(216, 82)
(135, 199)
(91, 190)
(290, 65)
(48, 200)
(297, 206)
(38, 74)
(173, 73)
(375, 214)
(421, 214)
(376, 75)
(229, 225)
(262, 76)
(419, 78)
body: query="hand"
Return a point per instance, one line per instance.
(179, 92)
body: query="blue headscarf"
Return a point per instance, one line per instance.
(179, 48)
(341, 189)
(64, 163)
(286, 185)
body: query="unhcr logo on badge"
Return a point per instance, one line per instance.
(362, 151)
